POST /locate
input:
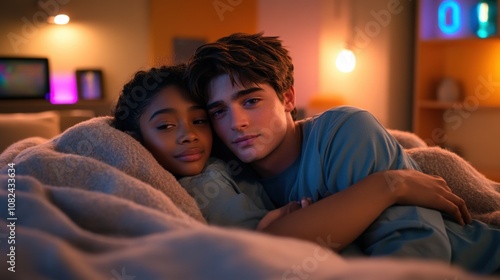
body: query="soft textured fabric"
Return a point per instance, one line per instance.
(70, 233)
(341, 147)
(407, 139)
(94, 204)
(95, 156)
(223, 199)
(481, 194)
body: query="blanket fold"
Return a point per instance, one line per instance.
(481, 195)
(95, 156)
(93, 203)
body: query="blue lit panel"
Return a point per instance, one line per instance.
(449, 17)
(486, 18)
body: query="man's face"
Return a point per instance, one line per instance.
(249, 118)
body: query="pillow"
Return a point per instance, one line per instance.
(69, 118)
(18, 126)
(407, 139)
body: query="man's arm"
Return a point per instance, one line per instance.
(361, 146)
(339, 219)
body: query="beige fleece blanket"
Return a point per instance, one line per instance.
(481, 194)
(70, 233)
(92, 203)
(94, 156)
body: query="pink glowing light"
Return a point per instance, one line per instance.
(63, 88)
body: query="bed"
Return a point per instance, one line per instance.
(92, 203)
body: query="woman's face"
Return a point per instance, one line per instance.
(177, 132)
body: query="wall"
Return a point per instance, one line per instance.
(298, 24)
(381, 33)
(123, 36)
(111, 35)
(197, 19)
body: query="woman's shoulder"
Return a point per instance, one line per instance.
(214, 168)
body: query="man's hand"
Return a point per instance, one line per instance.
(276, 214)
(412, 187)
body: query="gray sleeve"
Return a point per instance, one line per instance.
(220, 200)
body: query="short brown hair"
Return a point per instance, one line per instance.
(250, 58)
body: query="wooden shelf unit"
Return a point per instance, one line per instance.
(474, 63)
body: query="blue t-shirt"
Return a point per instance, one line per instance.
(340, 147)
(344, 145)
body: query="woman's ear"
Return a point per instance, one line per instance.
(289, 99)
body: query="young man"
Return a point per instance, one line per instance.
(246, 81)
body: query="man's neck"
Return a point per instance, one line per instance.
(283, 156)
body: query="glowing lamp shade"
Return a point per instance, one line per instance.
(346, 61)
(486, 18)
(60, 19)
(449, 17)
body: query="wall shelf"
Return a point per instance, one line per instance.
(440, 105)
(471, 39)
(471, 125)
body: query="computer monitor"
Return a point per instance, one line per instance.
(24, 78)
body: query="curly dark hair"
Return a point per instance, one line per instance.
(138, 93)
(248, 58)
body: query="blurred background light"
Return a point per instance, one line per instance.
(60, 19)
(346, 61)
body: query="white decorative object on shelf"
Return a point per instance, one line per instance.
(448, 90)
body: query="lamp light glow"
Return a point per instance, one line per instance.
(346, 61)
(449, 16)
(60, 19)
